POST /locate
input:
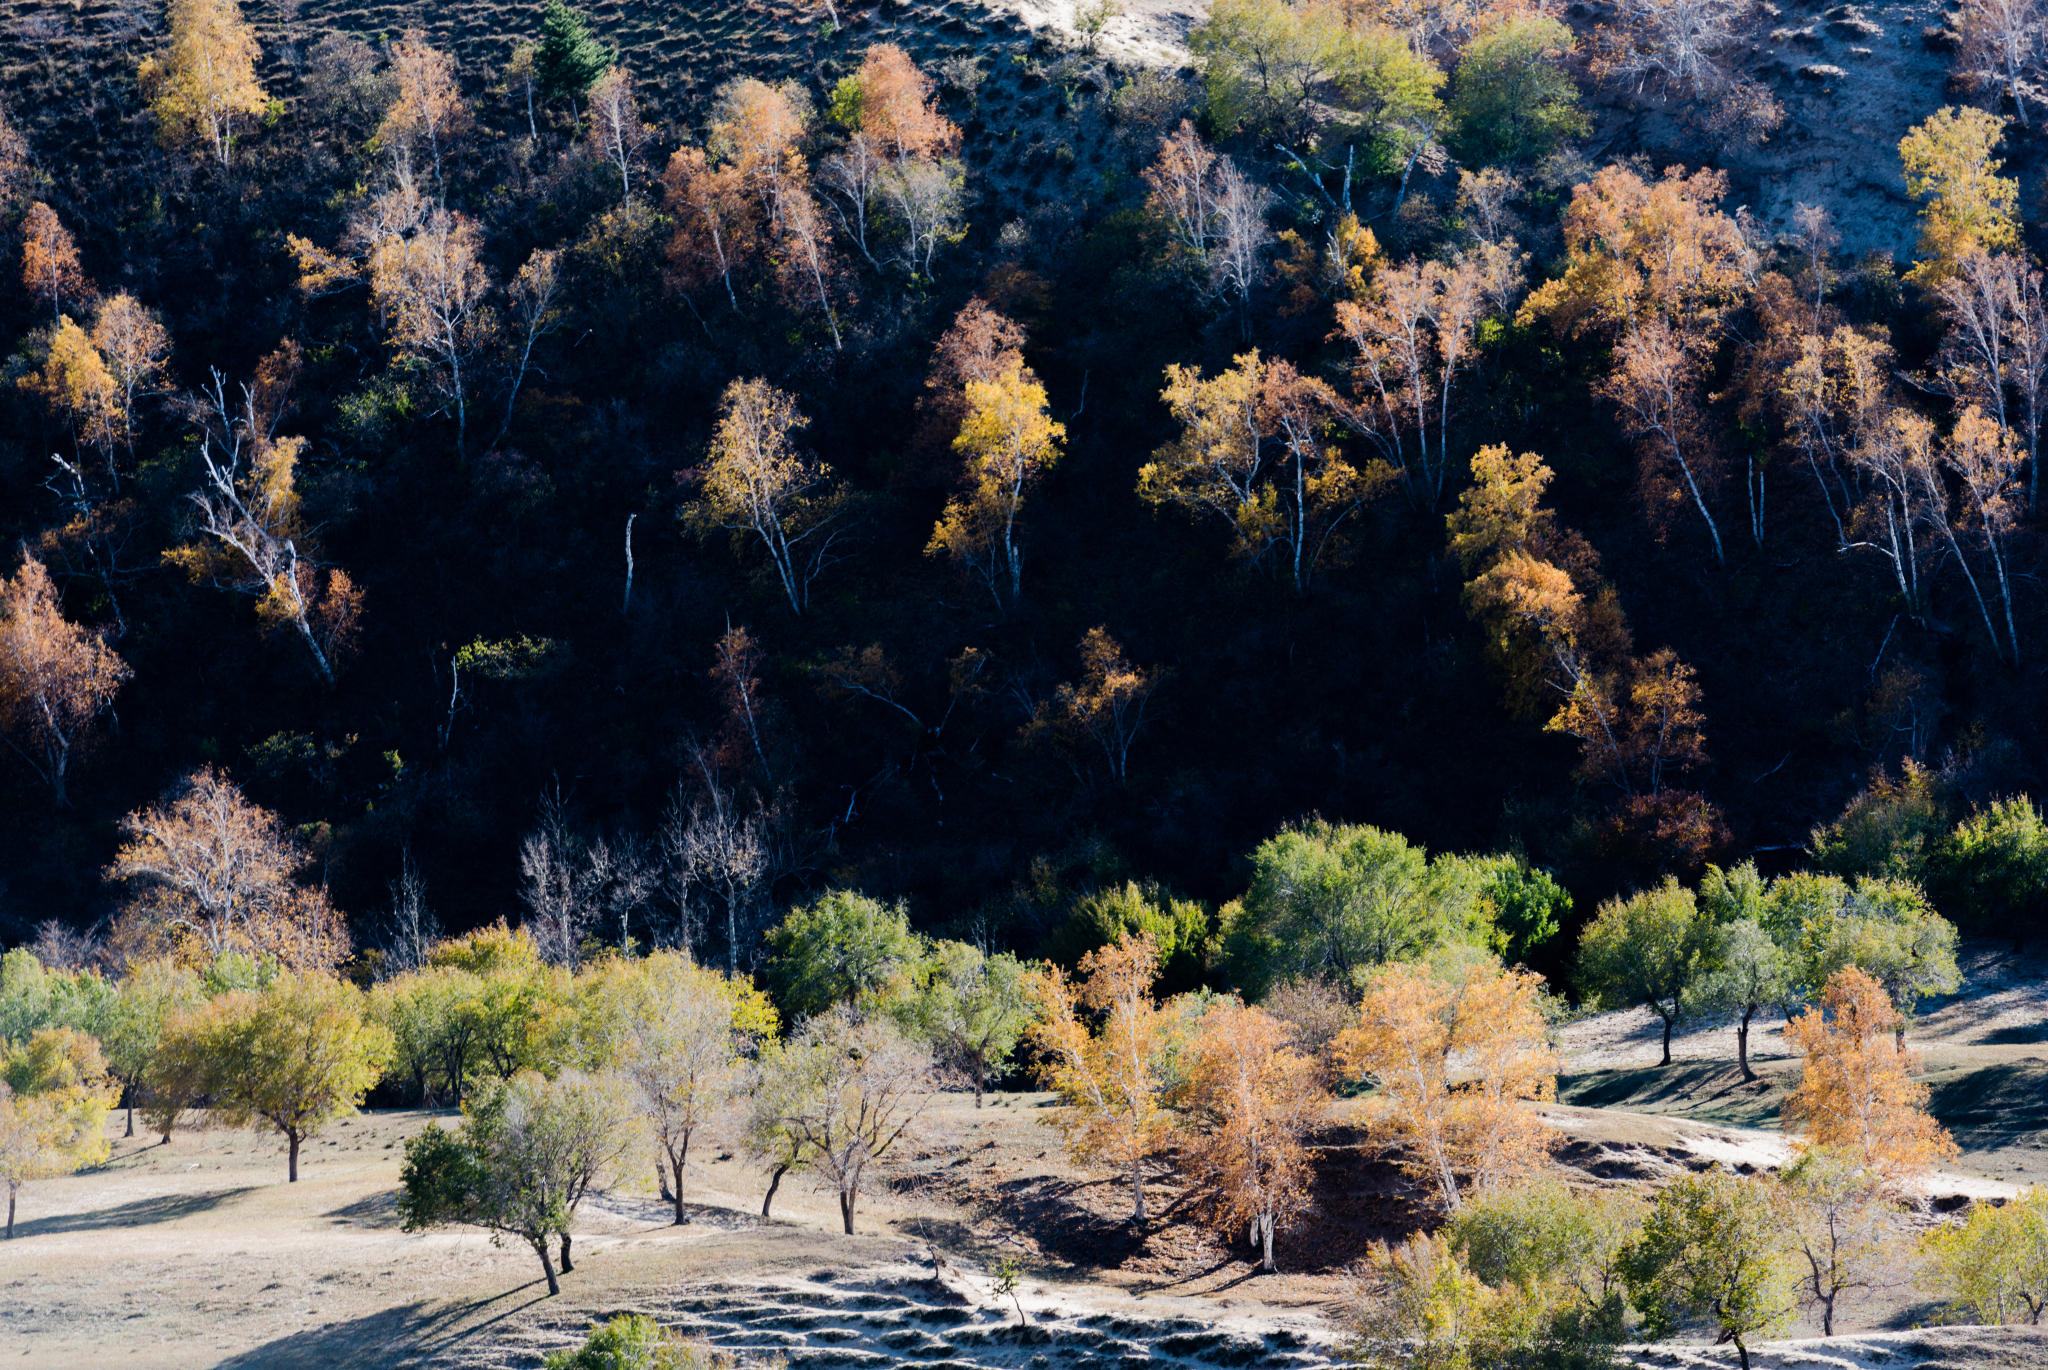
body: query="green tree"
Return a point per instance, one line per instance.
(1889, 828)
(783, 1089)
(569, 59)
(841, 948)
(54, 1097)
(525, 1156)
(293, 1056)
(1839, 1225)
(1179, 928)
(1948, 163)
(973, 1007)
(1345, 899)
(1563, 1250)
(150, 995)
(1994, 867)
(1512, 100)
(1650, 949)
(1712, 1251)
(1886, 929)
(1747, 971)
(1993, 1268)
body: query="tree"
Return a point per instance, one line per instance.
(756, 480)
(430, 283)
(1559, 1252)
(135, 347)
(429, 109)
(49, 260)
(1654, 388)
(1993, 1267)
(867, 1085)
(1948, 163)
(633, 1341)
(80, 388)
(1748, 971)
(152, 993)
(1253, 1100)
(295, 1055)
(1996, 861)
(1237, 257)
(527, 1152)
(1512, 100)
(1010, 441)
(1341, 899)
(1986, 461)
(569, 59)
(208, 874)
(205, 79)
(574, 886)
(1689, 50)
(53, 1108)
(974, 1007)
(2001, 39)
(1412, 1023)
(681, 1049)
(717, 229)
(1855, 1095)
(616, 133)
(250, 509)
(1712, 1249)
(1253, 451)
(1651, 949)
(927, 199)
(1108, 705)
(1838, 1225)
(56, 679)
(842, 948)
(1110, 1083)
(782, 1087)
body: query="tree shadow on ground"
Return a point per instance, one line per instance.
(1991, 1101)
(378, 1210)
(164, 1208)
(390, 1337)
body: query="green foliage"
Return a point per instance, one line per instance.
(1512, 100)
(1345, 898)
(1889, 829)
(972, 1007)
(1712, 1252)
(33, 998)
(1647, 949)
(1993, 869)
(1993, 1268)
(1746, 970)
(841, 948)
(436, 1180)
(1180, 928)
(849, 98)
(569, 59)
(1526, 902)
(1266, 64)
(633, 1341)
(1886, 928)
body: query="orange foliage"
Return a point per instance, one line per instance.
(56, 678)
(49, 259)
(1856, 1095)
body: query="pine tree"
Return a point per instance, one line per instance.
(570, 59)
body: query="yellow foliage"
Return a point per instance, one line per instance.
(1856, 1095)
(206, 78)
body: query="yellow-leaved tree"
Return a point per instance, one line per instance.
(1969, 206)
(1010, 440)
(54, 1097)
(204, 81)
(1109, 1082)
(56, 679)
(1456, 1061)
(1252, 1100)
(1857, 1095)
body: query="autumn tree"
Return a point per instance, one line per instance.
(616, 131)
(250, 517)
(681, 1050)
(81, 390)
(2001, 40)
(869, 1085)
(527, 1153)
(1251, 1100)
(1109, 1082)
(981, 344)
(1108, 706)
(1855, 1094)
(429, 113)
(1652, 949)
(899, 157)
(135, 348)
(718, 229)
(1689, 52)
(756, 480)
(204, 81)
(54, 1096)
(1948, 163)
(1985, 460)
(49, 260)
(536, 299)
(208, 873)
(293, 1056)
(56, 678)
(1712, 1250)
(1415, 1029)
(1654, 388)
(1993, 1266)
(1254, 450)
(1010, 440)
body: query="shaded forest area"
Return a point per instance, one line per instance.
(541, 631)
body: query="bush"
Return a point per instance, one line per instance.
(632, 1341)
(1179, 928)
(1993, 869)
(1513, 100)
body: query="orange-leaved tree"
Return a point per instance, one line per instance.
(1010, 440)
(49, 259)
(1110, 1082)
(1252, 1100)
(1455, 1063)
(56, 679)
(1857, 1095)
(1109, 703)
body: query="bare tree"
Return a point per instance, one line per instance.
(1237, 260)
(850, 178)
(615, 128)
(869, 1085)
(410, 927)
(708, 844)
(573, 886)
(926, 198)
(2001, 41)
(536, 308)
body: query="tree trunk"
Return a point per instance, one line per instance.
(1137, 1191)
(567, 1265)
(774, 1182)
(1667, 1041)
(10, 1213)
(131, 1119)
(1742, 1353)
(978, 1073)
(846, 1211)
(1266, 1231)
(1827, 1316)
(1742, 1043)
(540, 1249)
(682, 1158)
(292, 1140)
